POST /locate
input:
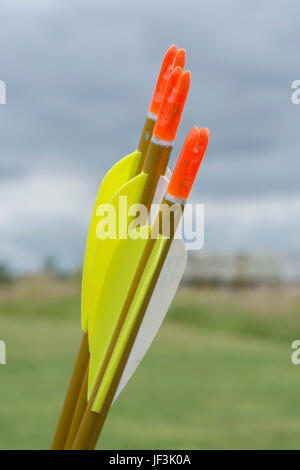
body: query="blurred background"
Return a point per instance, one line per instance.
(79, 79)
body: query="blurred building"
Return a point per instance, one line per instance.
(241, 269)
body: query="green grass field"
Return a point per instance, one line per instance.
(218, 376)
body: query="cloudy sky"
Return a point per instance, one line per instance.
(79, 78)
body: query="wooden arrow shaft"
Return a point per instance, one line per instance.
(145, 141)
(72, 395)
(92, 423)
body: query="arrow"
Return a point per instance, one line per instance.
(120, 173)
(149, 261)
(139, 189)
(142, 187)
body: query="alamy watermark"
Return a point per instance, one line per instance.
(295, 97)
(2, 92)
(124, 221)
(2, 352)
(2, 343)
(295, 357)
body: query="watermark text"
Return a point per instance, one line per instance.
(2, 92)
(2, 352)
(295, 357)
(122, 221)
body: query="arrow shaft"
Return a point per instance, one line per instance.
(145, 139)
(92, 422)
(79, 412)
(72, 395)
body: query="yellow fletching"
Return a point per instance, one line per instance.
(105, 250)
(114, 292)
(117, 176)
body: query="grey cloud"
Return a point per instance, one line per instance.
(79, 78)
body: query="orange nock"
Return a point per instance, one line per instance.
(188, 163)
(179, 59)
(173, 58)
(172, 105)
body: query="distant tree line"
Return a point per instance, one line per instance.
(6, 274)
